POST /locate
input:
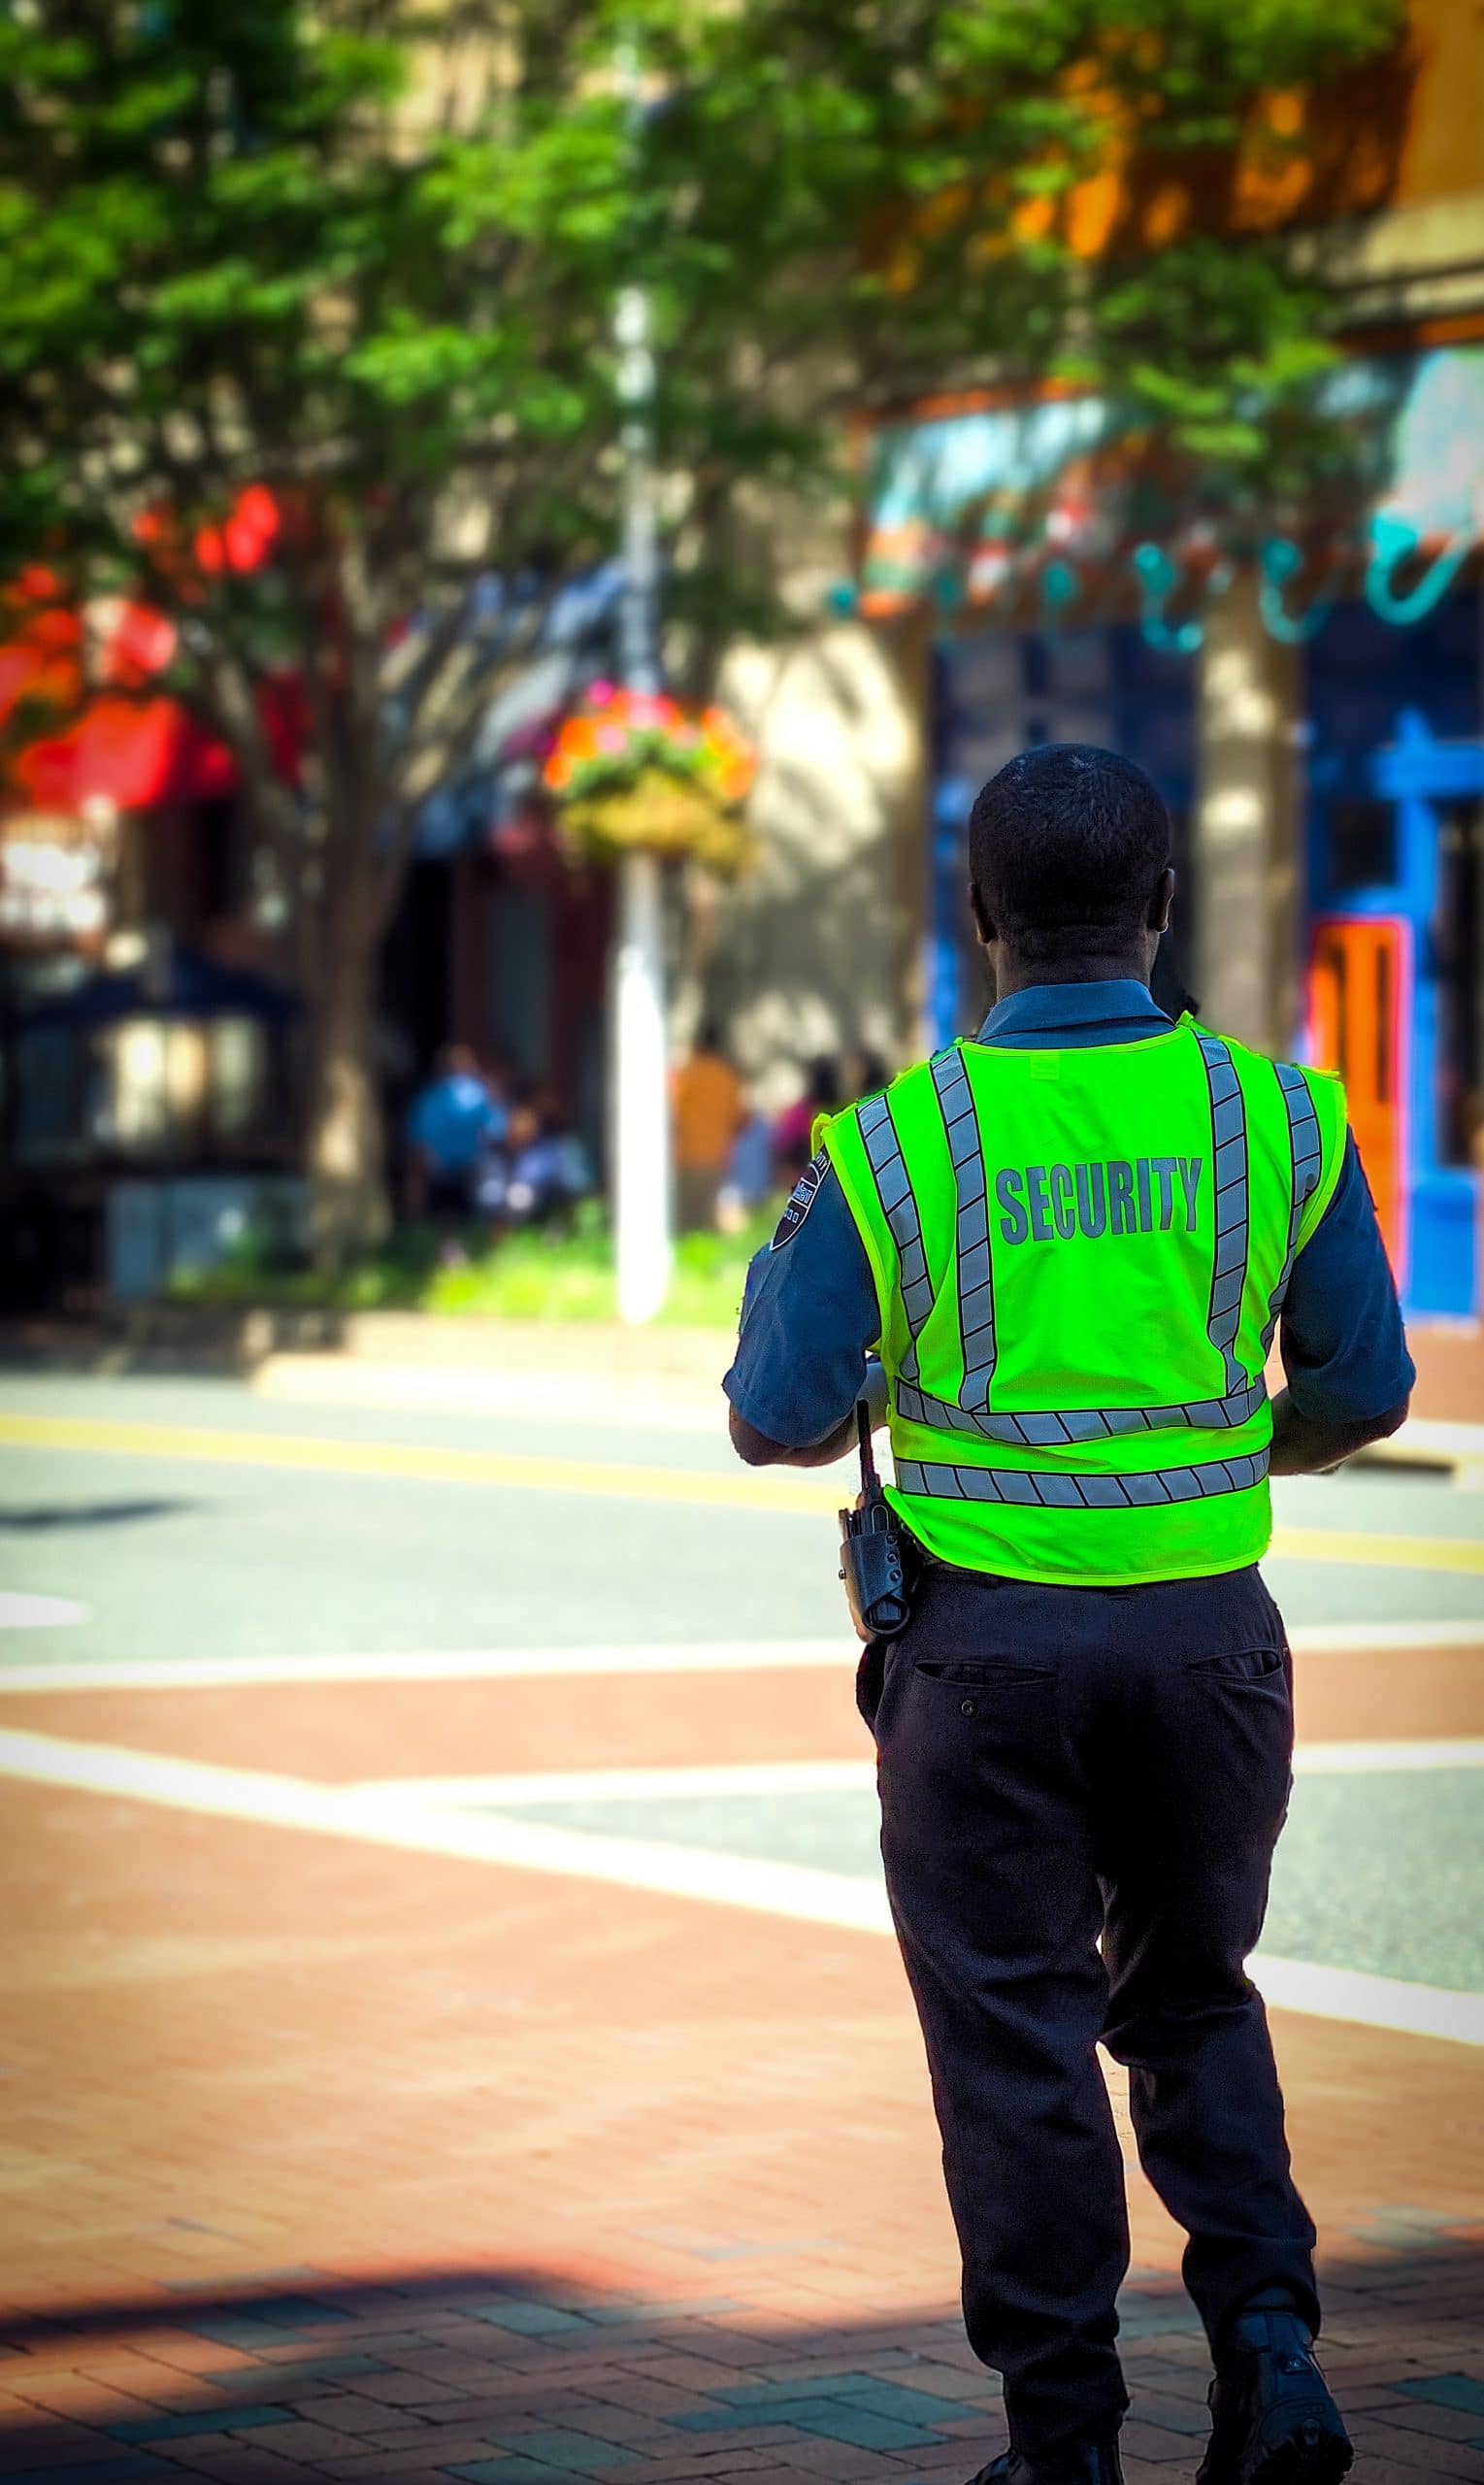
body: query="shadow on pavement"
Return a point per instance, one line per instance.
(41, 1516)
(520, 2377)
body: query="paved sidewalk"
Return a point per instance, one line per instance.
(521, 2378)
(327, 2161)
(1449, 1355)
(420, 2057)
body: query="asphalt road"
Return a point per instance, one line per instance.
(164, 1509)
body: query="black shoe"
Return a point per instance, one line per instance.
(1272, 2419)
(1079, 2463)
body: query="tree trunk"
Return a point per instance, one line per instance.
(344, 1151)
(339, 843)
(1246, 825)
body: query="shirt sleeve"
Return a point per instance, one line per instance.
(1341, 1339)
(810, 1317)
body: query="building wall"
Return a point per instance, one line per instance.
(1398, 132)
(1440, 150)
(815, 953)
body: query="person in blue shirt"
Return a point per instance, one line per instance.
(454, 1123)
(1082, 1787)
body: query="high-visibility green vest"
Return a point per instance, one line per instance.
(1080, 1257)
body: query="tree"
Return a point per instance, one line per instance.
(361, 255)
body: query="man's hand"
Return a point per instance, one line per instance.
(758, 1451)
(1303, 1447)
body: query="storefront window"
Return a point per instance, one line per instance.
(1362, 842)
(48, 1095)
(1459, 949)
(173, 1088)
(239, 1077)
(136, 1108)
(185, 1078)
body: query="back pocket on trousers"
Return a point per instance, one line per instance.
(871, 1680)
(982, 1674)
(1240, 1665)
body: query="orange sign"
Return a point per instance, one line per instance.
(1359, 1009)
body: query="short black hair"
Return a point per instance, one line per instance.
(1066, 848)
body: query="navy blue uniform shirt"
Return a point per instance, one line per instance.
(810, 1317)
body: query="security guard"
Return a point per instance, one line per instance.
(1071, 1241)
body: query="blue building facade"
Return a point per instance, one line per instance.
(1391, 912)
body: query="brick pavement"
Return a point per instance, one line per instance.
(416, 1730)
(326, 2161)
(1449, 1355)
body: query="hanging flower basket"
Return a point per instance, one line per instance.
(636, 773)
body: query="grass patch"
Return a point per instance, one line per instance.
(546, 1276)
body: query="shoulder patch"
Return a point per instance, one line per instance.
(801, 1199)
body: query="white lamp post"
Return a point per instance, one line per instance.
(640, 1122)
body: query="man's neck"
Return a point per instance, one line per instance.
(1017, 974)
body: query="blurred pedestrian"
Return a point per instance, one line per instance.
(709, 1108)
(862, 1073)
(538, 1171)
(793, 1128)
(454, 1120)
(1169, 992)
(750, 1175)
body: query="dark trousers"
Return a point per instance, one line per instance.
(1081, 1790)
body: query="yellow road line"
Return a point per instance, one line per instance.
(410, 1461)
(778, 1490)
(1388, 1553)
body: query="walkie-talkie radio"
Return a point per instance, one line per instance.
(871, 1552)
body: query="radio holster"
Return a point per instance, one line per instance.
(870, 1557)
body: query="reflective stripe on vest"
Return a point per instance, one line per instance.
(975, 1287)
(1038, 1490)
(1229, 1273)
(1306, 1158)
(1083, 1423)
(970, 1413)
(883, 1153)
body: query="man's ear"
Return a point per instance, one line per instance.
(1161, 901)
(983, 920)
